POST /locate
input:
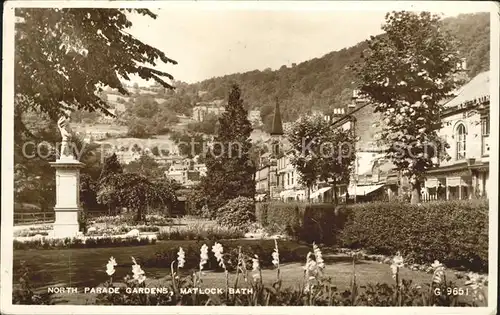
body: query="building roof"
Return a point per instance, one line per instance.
(477, 88)
(277, 129)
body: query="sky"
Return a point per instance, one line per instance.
(210, 41)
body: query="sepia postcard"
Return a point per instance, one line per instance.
(250, 157)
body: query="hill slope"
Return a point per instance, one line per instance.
(326, 82)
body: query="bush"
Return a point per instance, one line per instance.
(202, 232)
(453, 232)
(238, 212)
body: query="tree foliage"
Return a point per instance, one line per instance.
(321, 152)
(146, 166)
(406, 74)
(111, 166)
(136, 193)
(145, 117)
(230, 170)
(64, 57)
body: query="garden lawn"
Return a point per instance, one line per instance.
(86, 268)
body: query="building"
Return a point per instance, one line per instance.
(202, 109)
(464, 175)
(187, 172)
(254, 117)
(466, 128)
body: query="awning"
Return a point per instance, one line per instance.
(431, 182)
(287, 193)
(320, 191)
(455, 182)
(362, 190)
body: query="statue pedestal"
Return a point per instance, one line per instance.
(67, 196)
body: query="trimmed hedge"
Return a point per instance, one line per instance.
(453, 232)
(317, 223)
(289, 251)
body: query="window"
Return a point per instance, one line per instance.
(485, 126)
(485, 134)
(460, 136)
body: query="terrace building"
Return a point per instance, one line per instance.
(466, 128)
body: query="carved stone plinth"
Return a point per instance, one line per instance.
(67, 197)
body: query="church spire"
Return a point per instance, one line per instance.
(277, 128)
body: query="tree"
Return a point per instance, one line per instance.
(136, 193)
(111, 166)
(230, 171)
(338, 159)
(146, 166)
(407, 73)
(155, 151)
(321, 152)
(64, 56)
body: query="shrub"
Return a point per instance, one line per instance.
(318, 223)
(238, 212)
(453, 232)
(202, 232)
(82, 221)
(23, 293)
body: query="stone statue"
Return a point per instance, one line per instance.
(63, 124)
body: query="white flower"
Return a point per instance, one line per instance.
(276, 255)
(217, 249)
(438, 275)
(436, 264)
(138, 273)
(398, 260)
(110, 267)
(181, 258)
(203, 256)
(319, 257)
(256, 268)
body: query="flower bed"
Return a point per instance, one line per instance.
(151, 219)
(81, 242)
(30, 233)
(118, 230)
(203, 232)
